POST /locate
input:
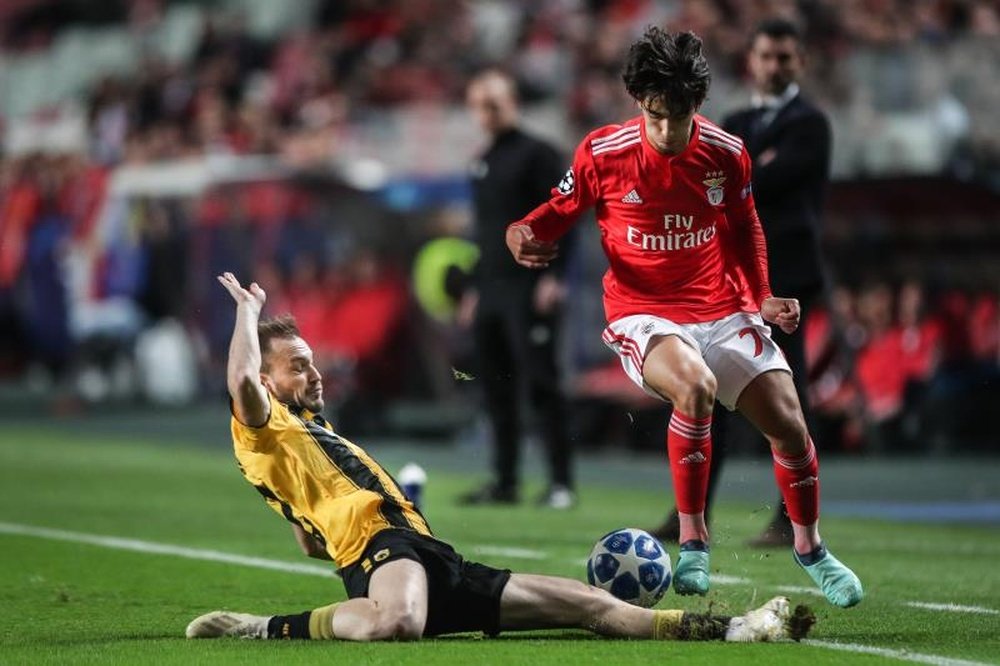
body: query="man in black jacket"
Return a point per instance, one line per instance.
(789, 141)
(514, 312)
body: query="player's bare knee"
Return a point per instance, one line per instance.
(699, 397)
(790, 436)
(408, 630)
(397, 625)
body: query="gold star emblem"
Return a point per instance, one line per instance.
(714, 178)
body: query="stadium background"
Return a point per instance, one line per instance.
(316, 146)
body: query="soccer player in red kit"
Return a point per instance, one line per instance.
(687, 294)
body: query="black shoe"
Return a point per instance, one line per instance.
(557, 496)
(670, 530)
(778, 534)
(490, 493)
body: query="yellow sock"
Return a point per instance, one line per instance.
(666, 624)
(321, 623)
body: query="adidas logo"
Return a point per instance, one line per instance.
(696, 457)
(804, 483)
(632, 197)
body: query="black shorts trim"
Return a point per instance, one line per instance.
(462, 596)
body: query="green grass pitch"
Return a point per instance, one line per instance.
(66, 602)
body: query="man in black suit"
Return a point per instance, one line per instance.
(789, 142)
(515, 313)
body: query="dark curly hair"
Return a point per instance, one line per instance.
(667, 68)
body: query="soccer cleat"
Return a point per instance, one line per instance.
(691, 573)
(558, 496)
(226, 623)
(839, 584)
(767, 623)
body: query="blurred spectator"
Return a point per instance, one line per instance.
(833, 337)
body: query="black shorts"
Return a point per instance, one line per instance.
(462, 596)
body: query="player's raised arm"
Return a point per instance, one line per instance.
(532, 239)
(250, 402)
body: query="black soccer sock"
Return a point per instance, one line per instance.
(812, 557)
(289, 626)
(694, 544)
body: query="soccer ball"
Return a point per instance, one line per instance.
(632, 565)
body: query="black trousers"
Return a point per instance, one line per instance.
(731, 429)
(516, 350)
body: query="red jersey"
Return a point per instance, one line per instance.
(681, 233)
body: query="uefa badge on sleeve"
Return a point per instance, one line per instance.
(567, 183)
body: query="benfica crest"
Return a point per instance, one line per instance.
(713, 181)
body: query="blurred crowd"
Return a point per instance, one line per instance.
(889, 363)
(242, 94)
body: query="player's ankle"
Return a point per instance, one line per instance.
(809, 556)
(806, 537)
(693, 527)
(694, 545)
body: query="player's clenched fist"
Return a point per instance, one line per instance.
(528, 250)
(783, 312)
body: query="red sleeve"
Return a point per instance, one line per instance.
(750, 246)
(575, 193)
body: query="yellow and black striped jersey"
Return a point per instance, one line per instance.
(322, 482)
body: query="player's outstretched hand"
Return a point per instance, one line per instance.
(782, 312)
(254, 297)
(528, 250)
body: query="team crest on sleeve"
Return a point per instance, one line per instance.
(567, 183)
(713, 181)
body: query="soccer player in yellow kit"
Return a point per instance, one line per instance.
(402, 582)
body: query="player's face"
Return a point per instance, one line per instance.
(667, 134)
(291, 375)
(491, 102)
(774, 63)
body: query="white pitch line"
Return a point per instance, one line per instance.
(799, 589)
(135, 545)
(151, 547)
(953, 608)
(503, 551)
(902, 655)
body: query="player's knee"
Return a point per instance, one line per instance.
(699, 397)
(397, 624)
(408, 629)
(790, 435)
